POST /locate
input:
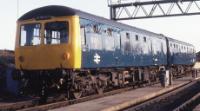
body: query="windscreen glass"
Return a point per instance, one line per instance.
(30, 34)
(56, 32)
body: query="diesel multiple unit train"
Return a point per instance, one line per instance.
(60, 49)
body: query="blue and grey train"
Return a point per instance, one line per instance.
(81, 53)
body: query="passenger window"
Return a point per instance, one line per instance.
(99, 36)
(109, 43)
(125, 41)
(94, 41)
(128, 35)
(117, 40)
(30, 34)
(136, 37)
(108, 38)
(56, 32)
(93, 38)
(145, 39)
(83, 41)
(109, 31)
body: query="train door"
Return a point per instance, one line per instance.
(108, 41)
(117, 53)
(91, 40)
(126, 49)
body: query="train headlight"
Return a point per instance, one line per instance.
(21, 58)
(66, 56)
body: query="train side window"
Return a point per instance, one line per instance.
(95, 29)
(136, 37)
(109, 44)
(108, 38)
(125, 42)
(30, 34)
(128, 35)
(145, 39)
(83, 40)
(56, 32)
(85, 29)
(109, 31)
(93, 36)
(95, 41)
(117, 38)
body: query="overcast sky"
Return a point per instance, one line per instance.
(182, 28)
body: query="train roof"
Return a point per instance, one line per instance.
(52, 10)
(180, 42)
(57, 11)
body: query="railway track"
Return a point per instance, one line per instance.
(190, 104)
(182, 99)
(12, 106)
(33, 105)
(70, 102)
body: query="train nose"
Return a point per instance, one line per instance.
(43, 57)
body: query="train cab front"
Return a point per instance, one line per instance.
(47, 44)
(45, 50)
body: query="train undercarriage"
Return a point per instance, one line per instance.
(79, 83)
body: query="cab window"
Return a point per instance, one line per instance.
(56, 32)
(30, 34)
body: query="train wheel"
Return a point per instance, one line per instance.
(77, 90)
(100, 90)
(77, 94)
(100, 87)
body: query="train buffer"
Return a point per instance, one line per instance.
(126, 99)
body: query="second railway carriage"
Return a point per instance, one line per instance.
(180, 56)
(64, 49)
(181, 53)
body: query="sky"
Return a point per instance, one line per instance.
(185, 28)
